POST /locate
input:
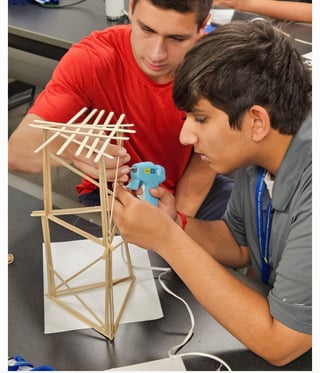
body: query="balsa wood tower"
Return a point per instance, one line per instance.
(92, 138)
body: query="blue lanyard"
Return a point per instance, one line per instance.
(263, 227)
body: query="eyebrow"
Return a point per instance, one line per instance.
(197, 111)
(182, 36)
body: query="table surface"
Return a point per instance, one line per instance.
(134, 343)
(52, 26)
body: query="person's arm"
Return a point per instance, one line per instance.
(194, 185)
(25, 139)
(287, 10)
(240, 309)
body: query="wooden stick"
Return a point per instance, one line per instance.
(53, 129)
(84, 141)
(92, 286)
(106, 155)
(74, 118)
(43, 124)
(124, 304)
(70, 211)
(75, 170)
(76, 274)
(78, 297)
(103, 147)
(77, 230)
(114, 192)
(303, 41)
(96, 141)
(88, 117)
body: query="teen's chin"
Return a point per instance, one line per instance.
(210, 162)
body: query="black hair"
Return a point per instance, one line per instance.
(200, 7)
(244, 63)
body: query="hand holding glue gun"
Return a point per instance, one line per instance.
(146, 175)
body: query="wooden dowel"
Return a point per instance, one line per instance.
(100, 136)
(70, 211)
(75, 170)
(106, 155)
(85, 140)
(38, 123)
(76, 274)
(96, 141)
(303, 41)
(114, 192)
(69, 140)
(50, 139)
(104, 146)
(78, 297)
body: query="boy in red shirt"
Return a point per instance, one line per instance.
(129, 69)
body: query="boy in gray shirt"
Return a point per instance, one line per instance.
(247, 98)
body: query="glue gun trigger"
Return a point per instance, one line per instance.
(134, 184)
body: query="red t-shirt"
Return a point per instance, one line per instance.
(100, 72)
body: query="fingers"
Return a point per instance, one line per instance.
(166, 200)
(118, 151)
(124, 177)
(162, 194)
(122, 194)
(116, 167)
(91, 168)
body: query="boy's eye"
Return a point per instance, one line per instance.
(200, 119)
(146, 29)
(177, 38)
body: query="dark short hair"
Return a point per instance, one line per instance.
(244, 63)
(200, 7)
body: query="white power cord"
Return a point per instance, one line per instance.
(173, 350)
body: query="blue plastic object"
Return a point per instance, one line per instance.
(17, 363)
(18, 2)
(54, 2)
(209, 28)
(146, 175)
(41, 2)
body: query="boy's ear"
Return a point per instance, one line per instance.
(130, 9)
(260, 122)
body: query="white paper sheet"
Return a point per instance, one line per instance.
(70, 257)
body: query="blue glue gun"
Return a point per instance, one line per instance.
(146, 175)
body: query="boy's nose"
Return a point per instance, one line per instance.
(187, 136)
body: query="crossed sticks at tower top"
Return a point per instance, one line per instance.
(96, 131)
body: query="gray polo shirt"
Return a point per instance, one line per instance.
(290, 297)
